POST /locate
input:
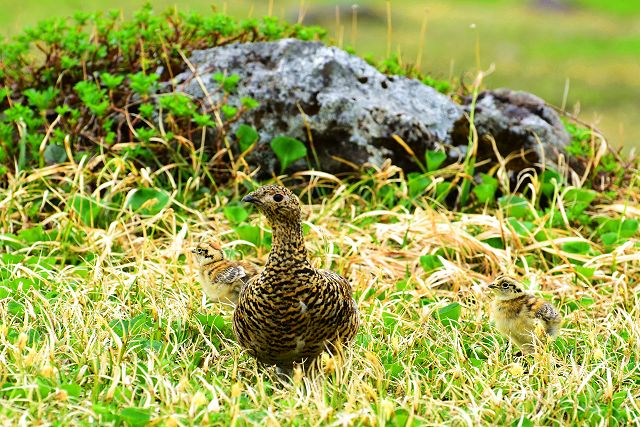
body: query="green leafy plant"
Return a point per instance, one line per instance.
(449, 314)
(287, 150)
(246, 136)
(430, 262)
(95, 70)
(235, 214)
(486, 191)
(435, 159)
(148, 201)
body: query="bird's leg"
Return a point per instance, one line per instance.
(285, 373)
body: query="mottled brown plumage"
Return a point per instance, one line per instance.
(221, 279)
(291, 312)
(517, 313)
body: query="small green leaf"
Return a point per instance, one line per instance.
(417, 183)
(629, 227)
(253, 234)
(215, 321)
(249, 233)
(72, 389)
(146, 110)
(249, 102)
(430, 262)
(390, 320)
(106, 413)
(203, 120)
(229, 83)
(10, 240)
(54, 154)
(579, 247)
(550, 180)
(15, 308)
(442, 189)
(131, 327)
(435, 159)
(515, 206)
(287, 150)
(135, 416)
(143, 84)
(494, 242)
(394, 370)
(32, 235)
(577, 200)
(522, 228)
(148, 201)
(235, 214)
(585, 272)
(86, 208)
(522, 422)
(246, 136)
(111, 81)
(609, 238)
(228, 111)
(449, 314)
(484, 192)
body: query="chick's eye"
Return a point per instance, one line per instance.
(278, 197)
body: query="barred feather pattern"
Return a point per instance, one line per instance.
(517, 313)
(292, 312)
(222, 279)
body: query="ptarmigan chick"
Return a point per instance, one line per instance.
(291, 312)
(517, 313)
(221, 279)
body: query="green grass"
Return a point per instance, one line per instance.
(108, 324)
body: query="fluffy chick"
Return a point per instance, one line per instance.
(517, 313)
(291, 312)
(221, 279)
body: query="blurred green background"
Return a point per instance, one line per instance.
(583, 54)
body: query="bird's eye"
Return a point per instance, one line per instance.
(278, 197)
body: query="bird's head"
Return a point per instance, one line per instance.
(208, 252)
(506, 287)
(277, 203)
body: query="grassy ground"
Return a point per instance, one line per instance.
(109, 324)
(590, 50)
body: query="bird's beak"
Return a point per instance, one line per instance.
(250, 198)
(193, 250)
(492, 286)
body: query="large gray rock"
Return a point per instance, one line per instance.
(518, 122)
(352, 110)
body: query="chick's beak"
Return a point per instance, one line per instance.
(250, 198)
(492, 286)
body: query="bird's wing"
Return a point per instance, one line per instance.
(231, 274)
(335, 305)
(250, 269)
(547, 313)
(333, 279)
